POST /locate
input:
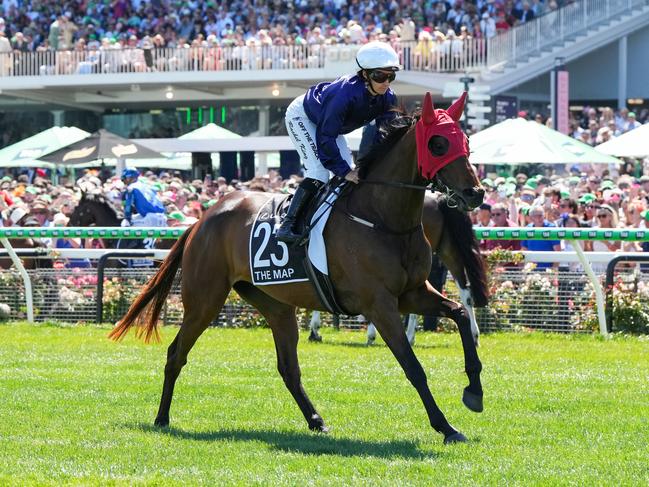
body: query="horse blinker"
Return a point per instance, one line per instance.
(438, 129)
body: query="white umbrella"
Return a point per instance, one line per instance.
(520, 141)
(26, 152)
(634, 143)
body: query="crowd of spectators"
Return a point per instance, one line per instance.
(584, 197)
(37, 25)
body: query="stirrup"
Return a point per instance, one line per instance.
(288, 236)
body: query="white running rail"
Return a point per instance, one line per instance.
(555, 28)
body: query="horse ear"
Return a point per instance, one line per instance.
(428, 113)
(456, 109)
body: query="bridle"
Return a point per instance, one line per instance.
(436, 185)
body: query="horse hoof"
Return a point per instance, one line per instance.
(315, 338)
(161, 423)
(317, 424)
(370, 342)
(456, 437)
(472, 401)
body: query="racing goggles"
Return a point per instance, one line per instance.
(382, 76)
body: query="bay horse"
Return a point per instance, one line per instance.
(377, 271)
(450, 235)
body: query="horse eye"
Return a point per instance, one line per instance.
(438, 145)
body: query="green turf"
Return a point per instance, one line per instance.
(77, 408)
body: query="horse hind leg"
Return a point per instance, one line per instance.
(197, 316)
(283, 323)
(314, 327)
(465, 298)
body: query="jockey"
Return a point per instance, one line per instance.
(143, 200)
(316, 121)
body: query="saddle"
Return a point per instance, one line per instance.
(303, 224)
(321, 281)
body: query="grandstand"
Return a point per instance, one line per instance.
(151, 71)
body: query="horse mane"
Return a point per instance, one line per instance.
(389, 133)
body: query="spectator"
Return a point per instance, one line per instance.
(500, 218)
(537, 215)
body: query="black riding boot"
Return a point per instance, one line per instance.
(303, 194)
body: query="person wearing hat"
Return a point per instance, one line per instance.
(317, 121)
(17, 216)
(41, 211)
(142, 207)
(60, 220)
(644, 187)
(631, 122)
(589, 206)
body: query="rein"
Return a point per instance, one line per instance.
(435, 185)
(397, 184)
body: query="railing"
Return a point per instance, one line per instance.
(448, 56)
(532, 281)
(559, 299)
(554, 28)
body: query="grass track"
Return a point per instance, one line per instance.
(76, 408)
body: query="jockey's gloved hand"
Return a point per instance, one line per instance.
(352, 176)
(125, 223)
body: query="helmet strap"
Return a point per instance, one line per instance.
(368, 83)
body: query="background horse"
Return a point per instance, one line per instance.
(450, 235)
(95, 209)
(378, 268)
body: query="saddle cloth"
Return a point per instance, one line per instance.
(274, 262)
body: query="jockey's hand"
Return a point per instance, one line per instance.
(352, 176)
(125, 223)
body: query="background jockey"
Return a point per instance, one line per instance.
(142, 208)
(316, 121)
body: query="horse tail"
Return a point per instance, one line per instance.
(459, 225)
(145, 311)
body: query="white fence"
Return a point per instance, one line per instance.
(559, 299)
(555, 27)
(453, 55)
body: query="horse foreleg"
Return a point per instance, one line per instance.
(314, 327)
(388, 322)
(426, 300)
(283, 323)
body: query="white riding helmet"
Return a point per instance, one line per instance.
(377, 55)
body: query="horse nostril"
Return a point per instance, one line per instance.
(469, 193)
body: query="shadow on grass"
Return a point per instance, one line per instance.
(306, 443)
(381, 344)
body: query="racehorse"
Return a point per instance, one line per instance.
(450, 235)
(95, 209)
(378, 271)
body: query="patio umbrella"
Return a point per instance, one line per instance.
(634, 143)
(520, 141)
(27, 152)
(97, 147)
